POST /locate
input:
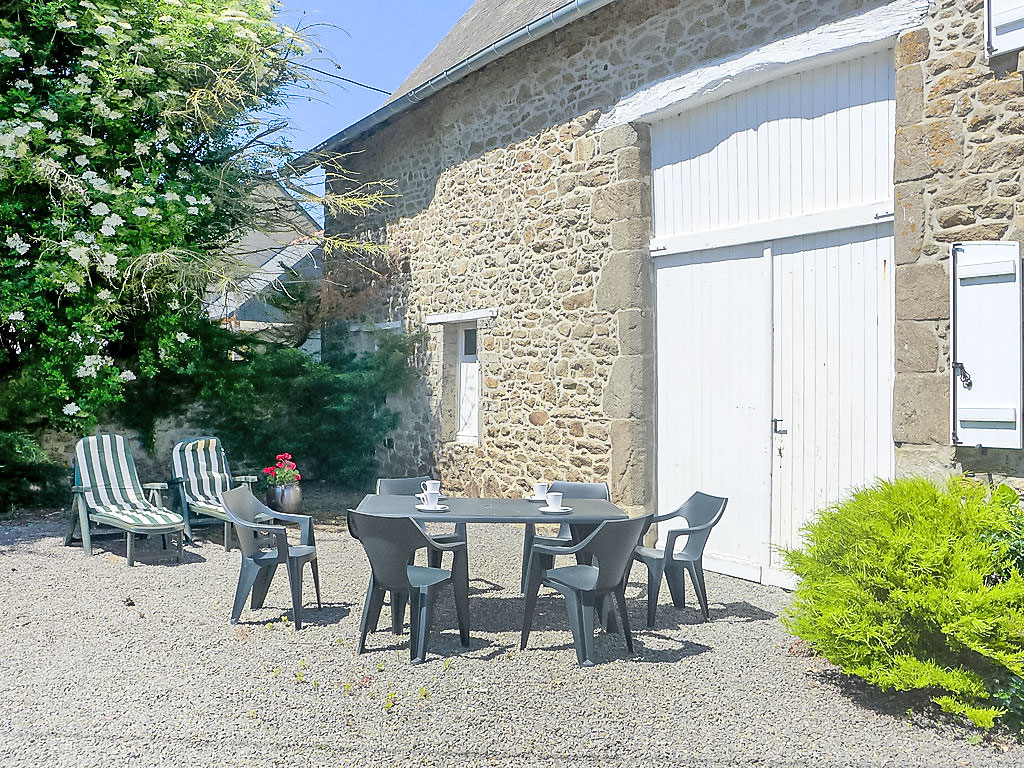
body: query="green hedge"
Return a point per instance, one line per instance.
(912, 585)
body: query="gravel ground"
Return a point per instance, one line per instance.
(107, 665)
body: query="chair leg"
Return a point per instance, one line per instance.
(528, 536)
(188, 523)
(577, 624)
(316, 582)
(629, 571)
(588, 607)
(246, 578)
(460, 586)
(627, 632)
(181, 544)
(262, 585)
(424, 619)
(371, 613)
(434, 558)
(295, 584)
(130, 548)
(227, 537)
(676, 583)
(655, 571)
(398, 613)
(530, 603)
(73, 523)
(696, 570)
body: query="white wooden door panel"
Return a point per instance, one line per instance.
(833, 363)
(713, 367)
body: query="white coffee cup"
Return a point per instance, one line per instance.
(540, 490)
(554, 500)
(429, 499)
(431, 486)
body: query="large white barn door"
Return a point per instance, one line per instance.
(773, 267)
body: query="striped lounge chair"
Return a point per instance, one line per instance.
(107, 494)
(200, 471)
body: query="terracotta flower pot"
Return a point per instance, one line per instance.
(285, 498)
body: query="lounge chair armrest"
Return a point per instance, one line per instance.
(79, 488)
(154, 486)
(244, 479)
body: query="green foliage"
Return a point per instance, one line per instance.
(910, 585)
(127, 153)
(28, 477)
(330, 416)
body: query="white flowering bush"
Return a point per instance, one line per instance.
(127, 153)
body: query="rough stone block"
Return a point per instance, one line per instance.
(909, 222)
(625, 282)
(933, 461)
(618, 137)
(632, 466)
(921, 408)
(623, 201)
(912, 47)
(636, 333)
(917, 346)
(924, 149)
(909, 95)
(922, 292)
(629, 392)
(996, 155)
(630, 234)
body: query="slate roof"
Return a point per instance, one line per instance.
(486, 22)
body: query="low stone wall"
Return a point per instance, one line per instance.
(959, 147)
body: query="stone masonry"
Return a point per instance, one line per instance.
(510, 199)
(958, 175)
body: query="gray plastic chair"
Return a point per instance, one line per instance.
(410, 486)
(564, 536)
(702, 513)
(389, 542)
(260, 561)
(610, 547)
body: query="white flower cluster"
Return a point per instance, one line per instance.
(20, 246)
(91, 366)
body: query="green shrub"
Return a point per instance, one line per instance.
(910, 585)
(28, 477)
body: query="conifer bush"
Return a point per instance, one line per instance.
(912, 585)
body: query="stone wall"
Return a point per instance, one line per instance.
(511, 199)
(959, 147)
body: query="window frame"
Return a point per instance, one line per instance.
(463, 435)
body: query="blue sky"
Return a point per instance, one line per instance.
(377, 42)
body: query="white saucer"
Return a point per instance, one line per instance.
(555, 510)
(438, 508)
(535, 501)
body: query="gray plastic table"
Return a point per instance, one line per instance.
(586, 515)
(585, 512)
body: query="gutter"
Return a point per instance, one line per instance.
(536, 29)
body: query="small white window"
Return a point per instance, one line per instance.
(1004, 27)
(468, 411)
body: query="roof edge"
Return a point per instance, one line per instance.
(549, 22)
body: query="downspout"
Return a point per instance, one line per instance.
(536, 29)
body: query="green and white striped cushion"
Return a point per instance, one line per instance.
(105, 468)
(201, 466)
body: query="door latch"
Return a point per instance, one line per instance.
(775, 427)
(961, 373)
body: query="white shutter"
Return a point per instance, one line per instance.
(985, 355)
(1005, 27)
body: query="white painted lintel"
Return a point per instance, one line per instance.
(775, 229)
(857, 35)
(462, 317)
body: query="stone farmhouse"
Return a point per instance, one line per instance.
(708, 244)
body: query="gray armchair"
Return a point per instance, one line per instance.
(410, 486)
(389, 542)
(260, 561)
(564, 536)
(610, 547)
(702, 513)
